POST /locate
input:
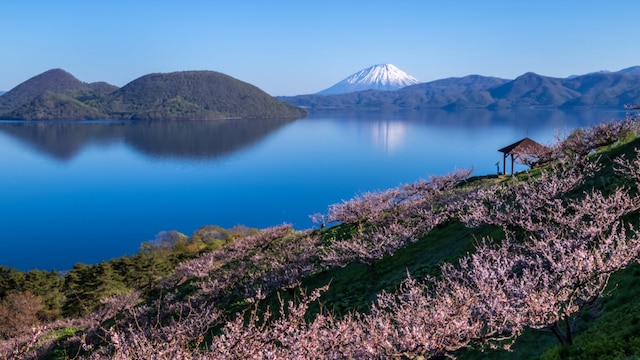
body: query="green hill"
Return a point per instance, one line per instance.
(34, 98)
(189, 95)
(195, 95)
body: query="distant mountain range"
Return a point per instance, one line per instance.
(599, 89)
(377, 77)
(205, 95)
(187, 95)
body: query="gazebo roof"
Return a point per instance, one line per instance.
(524, 146)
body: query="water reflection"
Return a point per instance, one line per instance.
(194, 139)
(388, 130)
(469, 118)
(388, 135)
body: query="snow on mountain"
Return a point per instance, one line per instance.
(377, 77)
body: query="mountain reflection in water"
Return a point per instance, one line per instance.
(187, 139)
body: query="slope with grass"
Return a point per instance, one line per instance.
(192, 309)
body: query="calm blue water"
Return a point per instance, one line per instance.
(85, 192)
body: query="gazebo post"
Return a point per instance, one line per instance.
(504, 164)
(512, 161)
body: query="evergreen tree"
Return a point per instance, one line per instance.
(49, 286)
(10, 280)
(86, 285)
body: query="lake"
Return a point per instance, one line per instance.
(89, 191)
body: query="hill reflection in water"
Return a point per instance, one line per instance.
(188, 139)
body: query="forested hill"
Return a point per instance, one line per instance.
(53, 94)
(189, 95)
(195, 95)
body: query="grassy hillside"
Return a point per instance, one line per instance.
(240, 292)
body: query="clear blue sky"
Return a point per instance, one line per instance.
(292, 47)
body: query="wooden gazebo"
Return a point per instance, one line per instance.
(525, 146)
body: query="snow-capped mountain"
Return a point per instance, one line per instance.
(377, 77)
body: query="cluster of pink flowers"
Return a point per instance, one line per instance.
(391, 219)
(583, 141)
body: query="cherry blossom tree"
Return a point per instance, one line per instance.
(630, 168)
(388, 220)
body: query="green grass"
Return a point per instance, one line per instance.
(59, 350)
(610, 329)
(355, 287)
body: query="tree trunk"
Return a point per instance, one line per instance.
(566, 337)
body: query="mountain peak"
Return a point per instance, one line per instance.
(56, 80)
(376, 77)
